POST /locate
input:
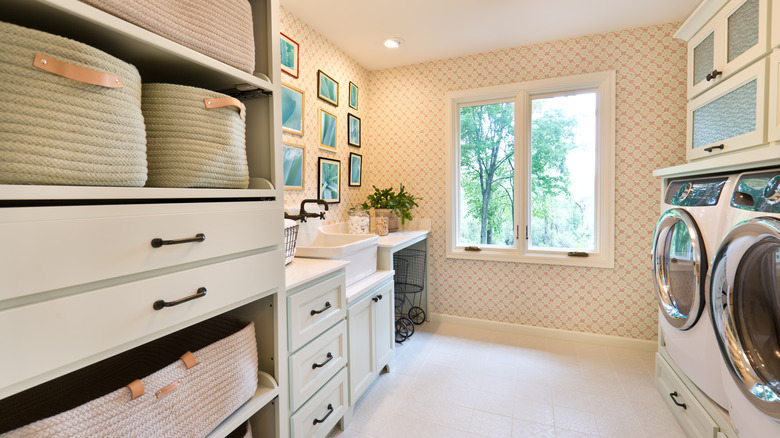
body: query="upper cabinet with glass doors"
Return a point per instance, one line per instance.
(733, 38)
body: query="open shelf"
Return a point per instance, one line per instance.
(267, 390)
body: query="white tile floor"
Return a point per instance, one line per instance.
(452, 381)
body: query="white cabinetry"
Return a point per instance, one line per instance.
(371, 340)
(79, 272)
(773, 119)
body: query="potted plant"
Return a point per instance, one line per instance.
(398, 205)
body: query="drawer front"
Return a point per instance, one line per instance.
(315, 309)
(77, 245)
(53, 337)
(316, 363)
(318, 416)
(693, 419)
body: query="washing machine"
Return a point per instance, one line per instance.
(744, 289)
(685, 238)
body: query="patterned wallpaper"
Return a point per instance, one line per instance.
(317, 53)
(406, 144)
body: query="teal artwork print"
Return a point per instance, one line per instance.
(292, 110)
(329, 179)
(327, 130)
(292, 160)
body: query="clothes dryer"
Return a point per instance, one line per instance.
(686, 235)
(744, 289)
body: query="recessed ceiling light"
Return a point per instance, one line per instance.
(393, 43)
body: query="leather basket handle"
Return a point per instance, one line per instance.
(221, 102)
(76, 73)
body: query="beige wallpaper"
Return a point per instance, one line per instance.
(404, 142)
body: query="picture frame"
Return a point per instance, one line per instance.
(355, 169)
(293, 163)
(289, 55)
(353, 130)
(353, 95)
(327, 88)
(293, 104)
(329, 180)
(328, 124)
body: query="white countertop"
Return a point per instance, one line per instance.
(357, 290)
(303, 270)
(402, 238)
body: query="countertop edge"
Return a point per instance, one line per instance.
(303, 270)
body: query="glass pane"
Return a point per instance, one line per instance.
(563, 172)
(487, 167)
(682, 278)
(728, 116)
(757, 312)
(743, 29)
(703, 58)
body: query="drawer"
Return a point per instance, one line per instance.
(693, 418)
(318, 416)
(315, 309)
(316, 363)
(60, 335)
(77, 245)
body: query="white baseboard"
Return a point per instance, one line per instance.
(590, 338)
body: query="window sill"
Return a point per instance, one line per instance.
(512, 256)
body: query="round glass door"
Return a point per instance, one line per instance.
(745, 308)
(679, 268)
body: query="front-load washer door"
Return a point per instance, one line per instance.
(679, 268)
(745, 309)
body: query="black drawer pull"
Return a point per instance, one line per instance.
(314, 366)
(159, 304)
(379, 296)
(375, 299)
(327, 306)
(713, 75)
(673, 395)
(157, 242)
(330, 411)
(712, 148)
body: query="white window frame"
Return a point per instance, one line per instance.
(603, 256)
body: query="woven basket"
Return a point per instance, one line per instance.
(177, 401)
(193, 141)
(57, 125)
(220, 29)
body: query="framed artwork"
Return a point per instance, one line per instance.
(289, 55)
(292, 162)
(353, 124)
(355, 169)
(292, 109)
(327, 130)
(327, 88)
(328, 179)
(353, 95)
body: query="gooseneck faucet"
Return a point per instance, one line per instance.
(302, 214)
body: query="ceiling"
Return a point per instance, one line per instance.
(439, 29)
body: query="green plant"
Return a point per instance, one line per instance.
(399, 203)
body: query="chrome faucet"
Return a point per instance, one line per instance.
(302, 214)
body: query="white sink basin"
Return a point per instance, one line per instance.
(359, 250)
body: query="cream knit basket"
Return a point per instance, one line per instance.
(178, 399)
(196, 137)
(69, 114)
(219, 29)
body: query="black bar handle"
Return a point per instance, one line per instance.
(314, 366)
(157, 242)
(330, 411)
(713, 75)
(327, 306)
(674, 396)
(712, 148)
(160, 304)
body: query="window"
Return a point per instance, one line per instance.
(531, 171)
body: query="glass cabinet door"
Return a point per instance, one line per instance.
(773, 120)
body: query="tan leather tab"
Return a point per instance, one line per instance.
(189, 360)
(165, 391)
(221, 102)
(76, 73)
(136, 388)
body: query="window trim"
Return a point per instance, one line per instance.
(521, 93)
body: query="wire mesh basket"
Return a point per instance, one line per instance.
(290, 237)
(409, 266)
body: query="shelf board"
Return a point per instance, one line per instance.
(157, 58)
(267, 390)
(40, 192)
(767, 155)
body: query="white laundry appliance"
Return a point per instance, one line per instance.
(685, 239)
(744, 291)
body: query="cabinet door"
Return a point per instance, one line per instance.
(773, 120)
(362, 369)
(702, 61)
(774, 32)
(384, 340)
(729, 117)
